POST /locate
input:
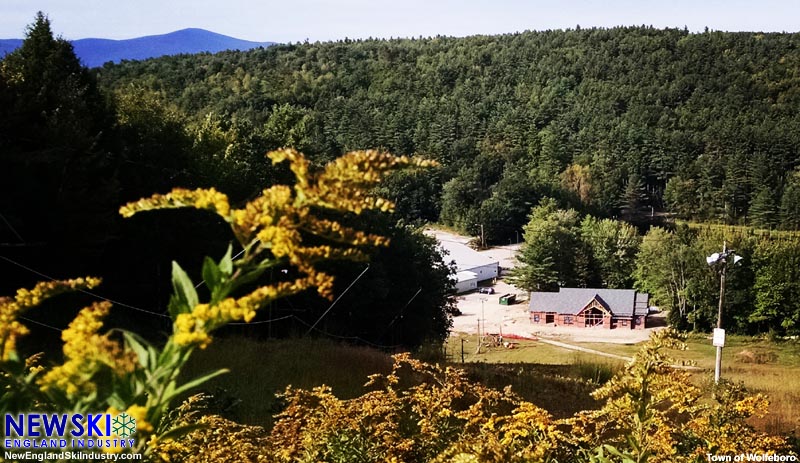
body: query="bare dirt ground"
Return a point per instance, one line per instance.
(514, 319)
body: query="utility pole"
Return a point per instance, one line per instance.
(483, 238)
(481, 335)
(480, 338)
(719, 334)
(718, 364)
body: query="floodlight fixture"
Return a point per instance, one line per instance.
(723, 258)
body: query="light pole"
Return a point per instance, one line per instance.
(719, 334)
(481, 334)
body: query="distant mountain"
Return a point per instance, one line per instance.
(9, 45)
(95, 52)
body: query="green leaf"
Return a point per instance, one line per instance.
(253, 274)
(184, 297)
(226, 264)
(139, 346)
(211, 274)
(198, 381)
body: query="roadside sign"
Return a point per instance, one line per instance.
(719, 337)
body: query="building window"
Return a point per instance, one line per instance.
(536, 318)
(568, 319)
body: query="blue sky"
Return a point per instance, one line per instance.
(297, 20)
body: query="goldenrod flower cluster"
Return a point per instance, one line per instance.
(193, 329)
(652, 407)
(276, 224)
(439, 415)
(10, 309)
(426, 413)
(218, 441)
(85, 353)
(208, 199)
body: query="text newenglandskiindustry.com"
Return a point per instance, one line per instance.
(78, 456)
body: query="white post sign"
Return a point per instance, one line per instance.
(719, 337)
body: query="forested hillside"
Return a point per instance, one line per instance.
(616, 122)
(72, 153)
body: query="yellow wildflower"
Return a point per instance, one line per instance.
(209, 199)
(192, 329)
(275, 226)
(86, 352)
(11, 309)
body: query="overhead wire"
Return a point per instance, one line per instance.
(337, 300)
(13, 230)
(40, 323)
(261, 322)
(122, 304)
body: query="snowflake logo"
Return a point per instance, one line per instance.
(124, 425)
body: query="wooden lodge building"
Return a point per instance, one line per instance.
(591, 307)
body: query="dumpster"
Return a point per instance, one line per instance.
(508, 299)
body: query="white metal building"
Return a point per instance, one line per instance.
(472, 266)
(466, 281)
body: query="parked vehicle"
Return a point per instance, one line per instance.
(486, 290)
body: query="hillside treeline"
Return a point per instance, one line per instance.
(624, 122)
(72, 153)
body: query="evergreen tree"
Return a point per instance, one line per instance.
(763, 211)
(790, 203)
(634, 199)
(54, 156)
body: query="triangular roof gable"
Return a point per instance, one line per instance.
(571, 301)
(598, 302)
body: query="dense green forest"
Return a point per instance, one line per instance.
(635, 124)
(72, 153)
(625, 122)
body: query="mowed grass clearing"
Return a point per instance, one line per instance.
(771, 368)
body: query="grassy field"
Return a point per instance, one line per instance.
(763, 366)
(742, 229)
(261, 369)
(536, 371)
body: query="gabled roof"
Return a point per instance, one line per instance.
(464, 256)
(570, 301)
